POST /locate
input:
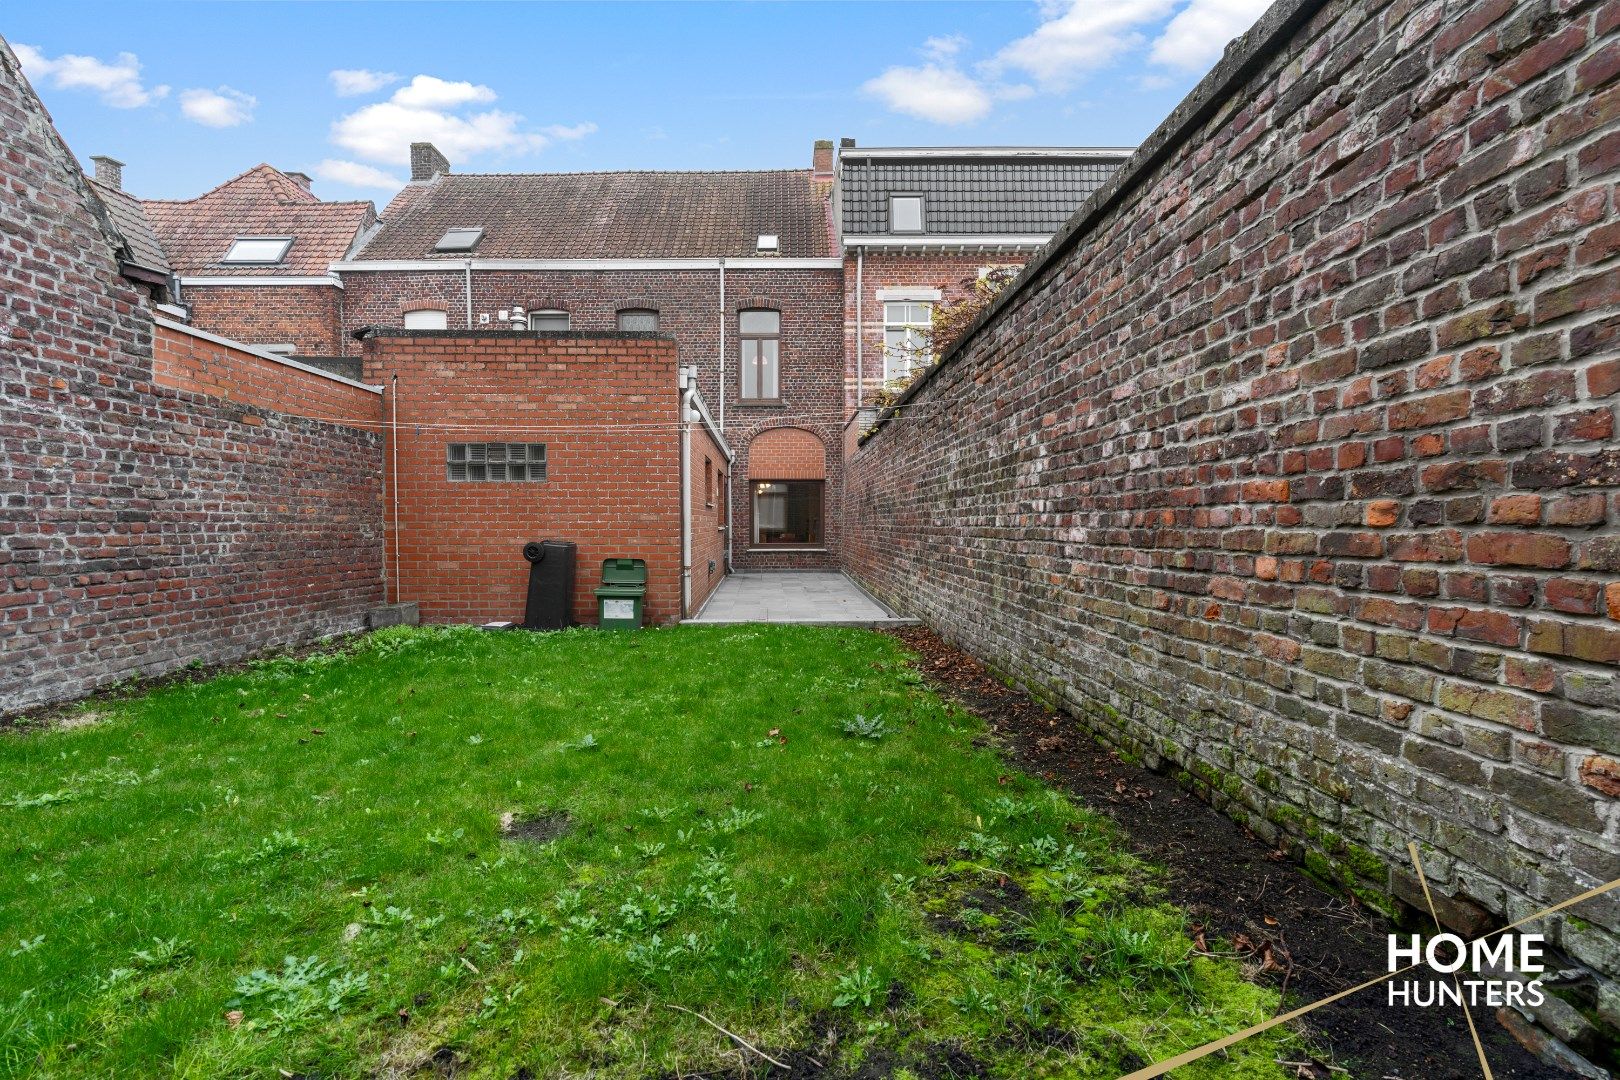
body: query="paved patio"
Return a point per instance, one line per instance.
(792, 596)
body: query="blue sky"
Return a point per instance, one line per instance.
(189, 94)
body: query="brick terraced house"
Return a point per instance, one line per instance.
(794, 294)
(254, 256)
(739, 268)
(919, 225)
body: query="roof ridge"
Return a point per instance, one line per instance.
(631, 172)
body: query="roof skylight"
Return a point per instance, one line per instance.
(258, 250)
(769, 242)
(460, 239)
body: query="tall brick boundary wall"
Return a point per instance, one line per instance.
(143, 527)
(1290, 465)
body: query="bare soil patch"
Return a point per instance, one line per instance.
(541, 828)
(1241, 890)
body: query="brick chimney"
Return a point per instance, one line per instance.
(427, 162)
(821, 160)
(846, 144)
(109, 171)
(301, 179)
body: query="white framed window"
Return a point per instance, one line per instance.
(426, 319)
(548, 319)
(258, 250)
(907, 331)
(759, 332)
(906, 213)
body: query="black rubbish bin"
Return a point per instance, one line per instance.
(551, 585)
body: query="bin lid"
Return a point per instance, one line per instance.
(624, 572)
(620, 592)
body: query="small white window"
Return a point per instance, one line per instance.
(907, 331)
(548, 320)
(425, 320)
(258, 250)
(769, 242)
(905, 213)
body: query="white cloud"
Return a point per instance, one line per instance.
(220, 108)
(427, 92)
(1198, 34)
(1078, 38)
(569, 132)
(118, 84)
(354, 174)
(944, 47)
(351, 82)
(938, 92)
(425, 110)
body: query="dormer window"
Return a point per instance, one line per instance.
(769, 242)
(906, 213)
(460, 239)
(257, 250)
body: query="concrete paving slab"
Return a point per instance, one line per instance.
(823, 598)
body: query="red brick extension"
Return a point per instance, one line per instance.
(608, 418)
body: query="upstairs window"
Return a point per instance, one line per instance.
(906, 213)
(760, 332)
(907, 330)
(548, 320)
(425, 319)
(638, 319)
(494, 461)
(459, 239)
(257, 250)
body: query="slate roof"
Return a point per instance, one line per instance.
(145, 249)
(263, 201)
(1019, 193)
(608, 215)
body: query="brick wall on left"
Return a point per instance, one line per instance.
(145, 526)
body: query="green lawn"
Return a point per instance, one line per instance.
(302, 867)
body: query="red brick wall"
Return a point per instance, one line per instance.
(688, 302)
(606, 407)
(145, 527)
(953, 275)
(708, 515)
(307, 316)
(1300, 461)
(186, 361)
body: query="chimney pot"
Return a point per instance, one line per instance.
(427, 162)
(847, 144)
(109, 171)
(301, 179)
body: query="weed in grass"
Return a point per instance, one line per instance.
(863, 727)
(297, 995)
(584, 742)
(859, 987)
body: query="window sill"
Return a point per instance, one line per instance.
(796, 549)
(761, 403)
